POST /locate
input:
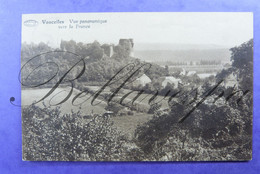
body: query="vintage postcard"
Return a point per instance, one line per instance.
(137, 86)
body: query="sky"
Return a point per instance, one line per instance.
(225, 29)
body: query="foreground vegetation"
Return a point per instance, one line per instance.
(217, 130)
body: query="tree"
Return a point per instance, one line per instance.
(242, 61)
(50, 135)
(242, 56)
(167, 70)
(95, 51)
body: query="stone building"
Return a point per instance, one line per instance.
(108, 49)
(128, 45)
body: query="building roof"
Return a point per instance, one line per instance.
(144, 79)
(171, 78)
(191, 73)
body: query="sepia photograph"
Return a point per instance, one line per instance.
(157, 86)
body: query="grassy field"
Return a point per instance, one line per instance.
(31, 95)
(125, 124)
(143, 99)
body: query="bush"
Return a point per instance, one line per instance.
(50, 135)
(130, 113)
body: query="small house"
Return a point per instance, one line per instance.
(143, 80)
(171, 80)
(230, 80)
(190, 73)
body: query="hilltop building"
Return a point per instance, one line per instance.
(128, 45)
(108, 49)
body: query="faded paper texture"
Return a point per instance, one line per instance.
(137, 86)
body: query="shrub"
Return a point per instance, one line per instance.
(50, 135)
